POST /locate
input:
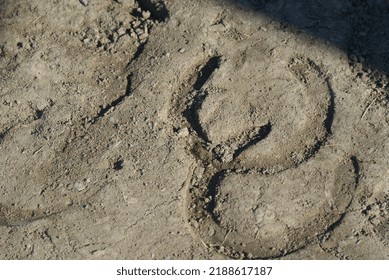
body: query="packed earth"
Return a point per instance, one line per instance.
(152, 129)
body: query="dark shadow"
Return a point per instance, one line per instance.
(157, 9)
(106, 108)
(263, 132)
(359, 28)
(192, 116)
(206, 72)
(213, 189)
(356, 169)
(137, 54)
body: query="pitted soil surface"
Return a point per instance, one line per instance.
(151, 129)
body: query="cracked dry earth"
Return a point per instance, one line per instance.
(155, 129)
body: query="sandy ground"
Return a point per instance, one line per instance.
(155, 129)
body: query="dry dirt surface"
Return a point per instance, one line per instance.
(150, 129)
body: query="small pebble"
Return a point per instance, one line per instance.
(139, 31)
(146, 14)
(143, 36)
(121, 31)
(184, 132)
(195, 224)
(212, 232)
(353, 58)
(79, 186)
(135, 23)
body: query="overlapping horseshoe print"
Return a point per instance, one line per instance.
(235, 201)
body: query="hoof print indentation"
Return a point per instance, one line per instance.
(263, 190)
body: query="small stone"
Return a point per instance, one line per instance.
(133, 34)
(121, 31)
(184, 132)
(358, 67)
(135, 23)
(41, 105)
(114, 37)
(79, 186)
(146, 14)
(143, 36)
(365, 78)
(104, 41)
(353, 58)
(195, 224)
(182, 50)
(211, 231)
(139, 31)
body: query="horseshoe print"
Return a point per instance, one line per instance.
(233, 201)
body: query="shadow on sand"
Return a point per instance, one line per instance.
(359, 28)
